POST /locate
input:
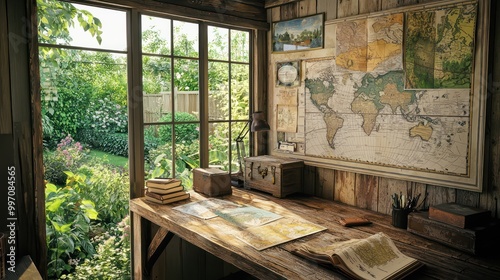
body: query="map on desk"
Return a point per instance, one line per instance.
(277, 232)
(247, 216)
(206, 209)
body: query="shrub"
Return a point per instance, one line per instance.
(184, 132)
(108, 188)
(105, 116)
(68, 217)
(112, 260)
(68, 156)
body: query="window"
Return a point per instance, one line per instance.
(191, 87)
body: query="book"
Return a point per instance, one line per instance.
(164, 191)
(165, 196)
(458, 215)
(375, 257)
(186, 195)
(163, 183)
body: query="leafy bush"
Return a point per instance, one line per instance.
(184, 132)
(67, 157)
(105, 116)
(108, 188)
(68, 218)
(112, 260)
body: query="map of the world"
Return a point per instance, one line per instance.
(362, 105)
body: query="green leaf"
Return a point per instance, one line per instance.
(53, 206)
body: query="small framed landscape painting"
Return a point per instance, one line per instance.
(298, 34)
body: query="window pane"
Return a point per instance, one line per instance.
(156, 79)
(240, 91)
(187, 151)
(240, 46)
(186, 86)
(158, 151)
(156, 35)
(218, 43)
(219, 145)
(185, 39)
(218, 84)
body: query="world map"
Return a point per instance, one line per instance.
(358, 109)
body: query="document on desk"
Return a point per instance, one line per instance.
(205, 209)
(247, 216)
(277, 232)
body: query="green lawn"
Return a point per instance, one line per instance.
(112, 159)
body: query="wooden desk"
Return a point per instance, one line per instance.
(277, 262)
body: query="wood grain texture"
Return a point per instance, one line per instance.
(369, 6)
(328, 7)
(386, 188)
(274, 3)
(347, 8)
(344, 187)
(389, 4)
(437, 195)
(289, 11)
(366, 192)
(277, 263)
(325, 183)
(307, 8)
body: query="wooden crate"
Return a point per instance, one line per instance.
(477, 240)
(277, 176)
(458, 215)
(211, 181)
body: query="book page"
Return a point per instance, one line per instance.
(375, 257)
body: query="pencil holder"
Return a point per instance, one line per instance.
(400, 217)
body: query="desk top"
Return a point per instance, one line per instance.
(277, 262)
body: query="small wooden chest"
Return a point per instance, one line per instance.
(211, 181)
(278, 176)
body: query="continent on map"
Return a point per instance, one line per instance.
(367, 109)
(421, 130)
(333, 124)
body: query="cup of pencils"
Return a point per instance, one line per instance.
(402, 205)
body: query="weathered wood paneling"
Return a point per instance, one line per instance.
(325, 182)
(5, 104)
(368, 6)
(387, 187)
(366, 192)
(344, 187)
(289, 11)
(328, 7)
(307, 8)
(348, 8)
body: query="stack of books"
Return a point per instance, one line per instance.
(165, 190)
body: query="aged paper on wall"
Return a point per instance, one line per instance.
(286, 118)
(286, 96)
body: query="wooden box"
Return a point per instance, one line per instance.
(477, 240)
(458, 215)
(211, 181)
(277, 176)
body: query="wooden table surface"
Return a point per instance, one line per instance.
(441, 262)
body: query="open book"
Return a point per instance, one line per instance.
(375, 257)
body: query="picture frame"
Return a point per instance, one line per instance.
(288, 73)
(299, 34)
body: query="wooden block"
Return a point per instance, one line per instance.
(477, 240)
(459, 215)
(211, 181)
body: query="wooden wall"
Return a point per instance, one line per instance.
(372, 192)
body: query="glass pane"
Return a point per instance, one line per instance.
(101, 29)
(240, 91)
(218, 84)
(186, 39)
(218, 43)
(156, 35)
(158, 151)
(218, 146)
(240, 46)
(187, 152)
(156, 79)
(186, 86)
(239, 129)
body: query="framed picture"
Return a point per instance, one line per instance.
(288, 73)
(298, 34)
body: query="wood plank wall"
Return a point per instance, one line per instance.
(372, 192)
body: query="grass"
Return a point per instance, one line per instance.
(111, 159)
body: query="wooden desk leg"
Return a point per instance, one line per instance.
(139, 253)
(158, 244)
